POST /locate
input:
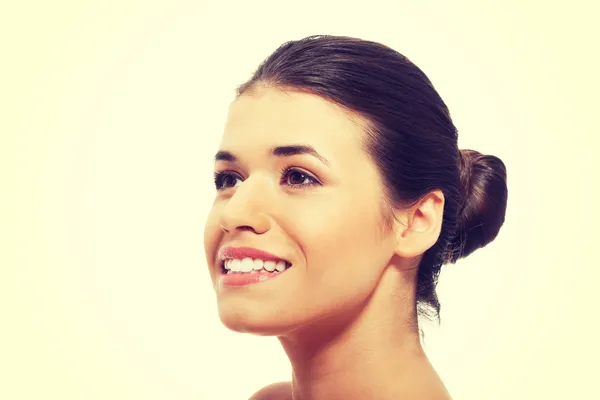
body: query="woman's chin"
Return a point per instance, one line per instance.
(254, 324)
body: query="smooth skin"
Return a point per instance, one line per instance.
(345, 311)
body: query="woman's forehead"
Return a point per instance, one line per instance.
(272, 117)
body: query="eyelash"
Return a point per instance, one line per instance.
(220, 176)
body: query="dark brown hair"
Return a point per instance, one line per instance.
(409, 135)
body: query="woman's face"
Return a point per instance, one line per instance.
(294, 181)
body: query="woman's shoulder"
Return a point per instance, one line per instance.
(274, 391)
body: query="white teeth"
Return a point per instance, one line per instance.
(280, 266)
(235, 265)
(248, 265)
(258, 265)
(270, 265)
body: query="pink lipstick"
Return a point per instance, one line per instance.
(246, 252)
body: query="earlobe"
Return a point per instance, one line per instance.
(418, 228)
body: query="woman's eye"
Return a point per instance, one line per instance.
(291, 177)
(225, 180)
(295, 177)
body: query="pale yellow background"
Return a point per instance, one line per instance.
(110, 113)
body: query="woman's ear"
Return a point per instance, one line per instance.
(418, 228)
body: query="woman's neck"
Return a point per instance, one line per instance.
(372, 352)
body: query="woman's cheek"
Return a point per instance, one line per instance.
(328, 230)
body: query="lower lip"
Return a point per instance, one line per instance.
(236, 279)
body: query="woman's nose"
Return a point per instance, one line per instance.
(246, 209)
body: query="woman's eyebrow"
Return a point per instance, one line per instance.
(278, 151)
(223, 155)
(287, 151)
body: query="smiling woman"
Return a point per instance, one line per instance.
(340, 194)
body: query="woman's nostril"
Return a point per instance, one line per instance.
(253, 222)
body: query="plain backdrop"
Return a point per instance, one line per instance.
(110, 114)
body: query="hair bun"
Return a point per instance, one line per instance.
(484, 196)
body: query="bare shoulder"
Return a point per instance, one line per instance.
(274, 391)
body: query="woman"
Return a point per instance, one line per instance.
(340, 193)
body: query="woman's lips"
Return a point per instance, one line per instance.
(250, 258)
(244, 279)
(240, 253)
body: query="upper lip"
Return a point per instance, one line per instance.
(227, 253)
